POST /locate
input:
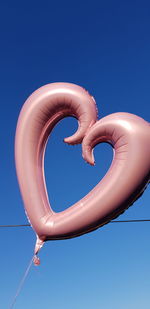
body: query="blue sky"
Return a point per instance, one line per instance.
(103, 46)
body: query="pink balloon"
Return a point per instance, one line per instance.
(124, 182)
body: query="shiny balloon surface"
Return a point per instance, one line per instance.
(124, 182)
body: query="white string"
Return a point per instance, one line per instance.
(21, 284)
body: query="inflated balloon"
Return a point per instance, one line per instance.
(124, 182)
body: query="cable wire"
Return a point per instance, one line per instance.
(16, 225)
(131, 221)
(113, 221)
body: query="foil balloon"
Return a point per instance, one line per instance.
(124, 182)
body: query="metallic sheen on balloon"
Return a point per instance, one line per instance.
(124, 182)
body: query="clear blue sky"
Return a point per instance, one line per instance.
(103, 46)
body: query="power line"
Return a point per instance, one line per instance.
(113, 221)
(124, 221)
(15, 225)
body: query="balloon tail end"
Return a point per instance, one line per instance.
(39, 244)
(36, 260)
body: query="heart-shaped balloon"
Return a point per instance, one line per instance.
(124, 182)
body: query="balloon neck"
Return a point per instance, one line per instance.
(39, 244)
